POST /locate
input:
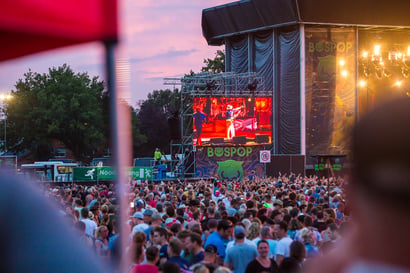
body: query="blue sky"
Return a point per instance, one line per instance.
(161, 38)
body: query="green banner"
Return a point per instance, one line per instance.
(140, 173)
(84, 173)
(106, 173)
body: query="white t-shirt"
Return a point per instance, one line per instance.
(283, 247)
(90, 227)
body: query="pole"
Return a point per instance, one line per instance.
(5, 132)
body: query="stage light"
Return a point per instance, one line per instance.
(398, 83)
(342, 62)
(365, 54)
(362, 83)
(344, 73)
(252, 86)
(376, 50)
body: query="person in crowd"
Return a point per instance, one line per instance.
(90, 225)
(194, 246)
(152, 257)
(262, 263)
(174, 252)
(239, 255)
(218, 237)
(101, 242)
(294, 263)
(283, 246)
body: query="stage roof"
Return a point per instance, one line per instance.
(247, 16)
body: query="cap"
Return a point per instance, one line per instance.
(148, 212)
(139, 204)
(156, 216)
(211, 249)
(239, 231)
(138, 215)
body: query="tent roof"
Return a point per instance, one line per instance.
(247, 16)
(29, 26)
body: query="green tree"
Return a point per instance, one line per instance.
(154, 115)
(58, 106)
(216, 65)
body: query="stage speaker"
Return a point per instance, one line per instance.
(239, 140)
(217, 140)
(262, 138)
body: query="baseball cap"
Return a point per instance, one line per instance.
(148, 212)
(138, 215)
(211, 249)
(239, 231)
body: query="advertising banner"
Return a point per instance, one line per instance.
(85, 173)
(108, 173)
(140, 173)
(229, 162)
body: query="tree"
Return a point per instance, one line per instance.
(58, 106)
(153, 116)
(217, 65)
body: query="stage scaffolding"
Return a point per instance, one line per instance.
(207, 84)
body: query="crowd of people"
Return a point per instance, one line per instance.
(210, 225)
(289, 223)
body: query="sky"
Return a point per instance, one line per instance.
(158, 39)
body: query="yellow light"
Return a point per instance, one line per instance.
(342, 62)
(408, 51)
(398, 83)
(249, 99)
(365, 54)
(362, 83)
(376, 50)
(344, 73)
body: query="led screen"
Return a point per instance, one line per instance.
(232, 121)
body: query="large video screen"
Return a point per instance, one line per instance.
(232, 121)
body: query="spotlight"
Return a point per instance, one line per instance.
(252, 86)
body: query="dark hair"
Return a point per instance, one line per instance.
(297, 250)
(169, 267)
(151, 253)
(195, 237)
(175, 246)
(262, 241)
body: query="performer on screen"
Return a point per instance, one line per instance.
(199, 118)
(231, 114)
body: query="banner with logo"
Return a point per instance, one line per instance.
(108, 173)
(84, 173)
(140, 173)
(228, 162)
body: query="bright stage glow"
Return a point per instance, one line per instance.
(342, 62)
(376, 50)
(398, 83)
(344, 73)
(362, 83)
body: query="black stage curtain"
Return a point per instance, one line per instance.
(288, 93)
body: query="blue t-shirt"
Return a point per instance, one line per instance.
(215, 239)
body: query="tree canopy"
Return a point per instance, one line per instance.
(58, 106)
(216, 65)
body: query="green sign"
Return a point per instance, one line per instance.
(140, 173)
(106, 173)
(85, 173)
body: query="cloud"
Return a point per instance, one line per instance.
(165, 56)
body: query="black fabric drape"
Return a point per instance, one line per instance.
(288, 95)
(263, 58)
(239, 54)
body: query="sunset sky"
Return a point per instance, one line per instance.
(161, 38)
